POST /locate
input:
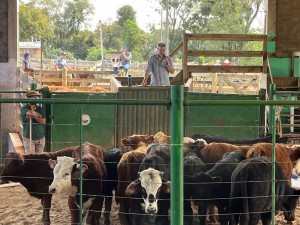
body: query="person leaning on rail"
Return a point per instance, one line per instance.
(33, 119)
(159, 65)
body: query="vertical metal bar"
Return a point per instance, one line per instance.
(176, 155)
(272, 120)
(80, 170)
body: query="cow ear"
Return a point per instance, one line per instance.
(133, 188)
(52, 163)
(126, 142)
(84, 167)
(150, 138)
(166, 186)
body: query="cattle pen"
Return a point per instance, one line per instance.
(176, 104)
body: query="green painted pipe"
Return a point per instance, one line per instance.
(177, 154)
(272, 116)
(287, 92)
(11, 91)
(80, 170)
(87, 101)
(239, 102)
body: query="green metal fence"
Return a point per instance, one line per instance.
(176, 104)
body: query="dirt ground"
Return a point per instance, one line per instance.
(17, 207)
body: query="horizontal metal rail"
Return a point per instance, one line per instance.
(88, 101)
(239, 102)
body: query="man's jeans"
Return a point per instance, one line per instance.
(37, 146)
(124, 67)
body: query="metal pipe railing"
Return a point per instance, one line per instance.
(272, 120)
(177, 154)
(176, 103)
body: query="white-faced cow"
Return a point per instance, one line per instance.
(152, 187)
(34, 173)
(67, 179)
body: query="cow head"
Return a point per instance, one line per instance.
(160, 137)
(13, 163)
(289, 203)
(150, 183)
(62, 170)
(136, 140)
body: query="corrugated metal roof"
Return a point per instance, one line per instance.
(36, 44)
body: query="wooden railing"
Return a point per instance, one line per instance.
(188, 69)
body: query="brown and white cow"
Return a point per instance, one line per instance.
(67, 179)
(34, 173)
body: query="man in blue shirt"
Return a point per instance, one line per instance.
(26, 64)
(61, 62)
(124, 61)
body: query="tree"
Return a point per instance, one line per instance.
(34, 24)
(79, 43)
(125, 13)
(72, 19)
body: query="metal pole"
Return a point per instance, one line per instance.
(101, 43)
(80, 170)
(176, 155)
(167, 27)
(273, 131)
(161, 24)
(41, 66)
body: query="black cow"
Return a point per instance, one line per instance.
(192, 165)
(218, 139)
(34, 173)
(111, 160)
(152, 187)
(213, 186)
(251, 190)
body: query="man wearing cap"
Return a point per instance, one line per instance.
(35, 113)
(61, 62)
(124, 61)
(26, 64)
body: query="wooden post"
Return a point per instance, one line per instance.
(64, 77)
(214, 82)
(185, 58)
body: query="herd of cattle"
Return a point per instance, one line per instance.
(234, 176)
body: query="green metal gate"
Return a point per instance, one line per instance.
(100, 121)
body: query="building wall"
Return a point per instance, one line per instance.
(8, 67)
(288, 27)
(284, 22)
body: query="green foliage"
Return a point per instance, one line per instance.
(94, 54)
(35, 25)
(62, 24)
(125, 13)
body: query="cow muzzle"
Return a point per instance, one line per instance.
(151, 210)
(52, 190)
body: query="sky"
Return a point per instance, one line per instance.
(145, 11)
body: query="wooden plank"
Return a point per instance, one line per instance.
(225, 37)
(9, 185)
(178, 79)
(224, 69)
(225, 53)
(176, 50)
(184, 58)
(17, 143)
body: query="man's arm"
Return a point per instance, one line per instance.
(147, 73)
(170, 69)
(35, 115)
